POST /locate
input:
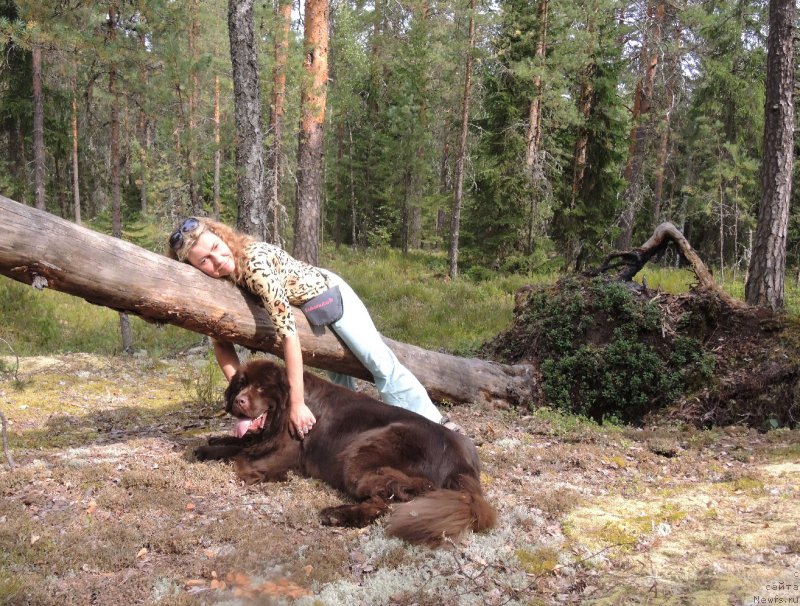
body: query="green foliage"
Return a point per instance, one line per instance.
(410, 300)
(560, 317)
(49, 322)
(206, 385)
(583, 218)
(394, 103)
(602, 354)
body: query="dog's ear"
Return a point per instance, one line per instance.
(238, 382)
(279, 386)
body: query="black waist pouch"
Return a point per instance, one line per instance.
(324, 309)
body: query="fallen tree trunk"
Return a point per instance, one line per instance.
(47, 252)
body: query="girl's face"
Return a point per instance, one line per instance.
(212, 256)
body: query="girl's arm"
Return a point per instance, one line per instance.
(227, 358)
(299, 414)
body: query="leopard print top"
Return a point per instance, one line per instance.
(280, 280)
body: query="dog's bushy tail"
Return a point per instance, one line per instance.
(443, 514)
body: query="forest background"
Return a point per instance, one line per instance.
(590, 122)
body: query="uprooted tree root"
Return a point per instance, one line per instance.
(607, 347)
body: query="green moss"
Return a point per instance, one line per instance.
(619, 461)
(746, 484)
(538, 562)
(711, 514)
(10, 588)
(616, 534)
(562, 424)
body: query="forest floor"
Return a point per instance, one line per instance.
(107, 506)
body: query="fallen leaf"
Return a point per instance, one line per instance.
(91, 508)
(307, 569)
(142, 552)
(35, 538)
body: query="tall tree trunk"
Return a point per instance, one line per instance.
(585, 99)
(533, 160)
(38, 128)
(250, 178)
(722, 196)
(143, 131)
(533, 137)
(307, 219)
(76, 189)
(144, 143)
(61, 200)
(191, 144)
(353, 199)
(642, 105)
(765, 282)
(582, 141)
(284, 11)
(116, 189)
(455, 219)
(673, 67)
(217, 150)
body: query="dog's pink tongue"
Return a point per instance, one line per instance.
(244, 425)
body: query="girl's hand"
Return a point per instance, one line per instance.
(302, 420)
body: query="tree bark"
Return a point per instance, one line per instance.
(767, 272)
(276, 114)
(143, 130)
(307, 220)
(191, 144)
(76, 189)
(116, 189)
(582, 141)
(455, 218)
(642, 105)
(672, 75)
(38, 128)
(533, 137)
(217, 150)
(40, 249)
(250, 178)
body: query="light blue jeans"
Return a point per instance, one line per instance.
(396, 384)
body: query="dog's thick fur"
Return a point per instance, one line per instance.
(377, 454)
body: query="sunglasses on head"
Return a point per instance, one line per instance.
(176, 239)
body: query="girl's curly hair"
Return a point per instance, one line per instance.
(236, 241)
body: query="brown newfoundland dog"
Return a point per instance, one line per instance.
(377, 454)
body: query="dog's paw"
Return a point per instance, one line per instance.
(219, 440)
(333, 516)
(205, 453)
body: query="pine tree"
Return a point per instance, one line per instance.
(765, 283)
(307, 220)
(250, 176)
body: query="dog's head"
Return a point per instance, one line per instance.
(257, 388)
